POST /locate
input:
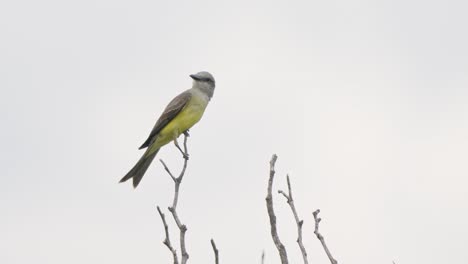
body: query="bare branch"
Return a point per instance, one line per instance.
(215, 250)
(320, 237)
(299, 223)
(271, 214)
(263, 257)
(173, 208)
(167, 170)
(284, 194)
(167, 241)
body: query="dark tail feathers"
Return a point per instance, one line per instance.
(139, 169)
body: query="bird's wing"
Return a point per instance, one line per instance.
(171, 111)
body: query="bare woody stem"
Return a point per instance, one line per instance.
(320, 237)
(299, 223)
(271, 213)
(167, 240)
(216, 251)
(173, 208)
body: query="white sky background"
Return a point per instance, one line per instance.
(365, 102)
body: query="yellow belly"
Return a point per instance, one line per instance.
(188, 117)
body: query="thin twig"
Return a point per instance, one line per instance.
(216, 251)
(320, 237)
(167, 241)
(299, 223)
(173, 208)
(263, 257)
(272, 216)
(167, 170)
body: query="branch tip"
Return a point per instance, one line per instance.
(321, 238)
(215, 250)
(271, 213)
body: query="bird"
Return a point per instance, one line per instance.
(184, 111)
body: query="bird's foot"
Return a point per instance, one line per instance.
(184, 155)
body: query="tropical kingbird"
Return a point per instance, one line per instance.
(184, 111)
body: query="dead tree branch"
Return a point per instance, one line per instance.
(320, 237)
(271, 213)
(216, 251)
(173, 208)
(167, 240)
(299, 223)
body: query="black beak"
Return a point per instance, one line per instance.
(194, 77)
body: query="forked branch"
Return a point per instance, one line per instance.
(167, 240)
(173, 209)
(299, 223)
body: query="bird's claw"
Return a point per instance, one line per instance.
(184, 155)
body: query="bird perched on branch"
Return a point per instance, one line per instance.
(184, 111)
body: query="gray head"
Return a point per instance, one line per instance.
(204, 81)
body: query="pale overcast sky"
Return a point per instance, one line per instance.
(365, 102)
